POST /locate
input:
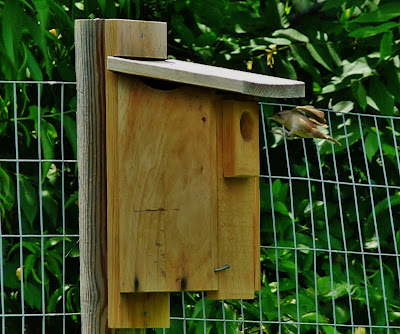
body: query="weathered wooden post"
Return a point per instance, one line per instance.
(181, 171)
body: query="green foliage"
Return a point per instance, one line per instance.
(346, 51)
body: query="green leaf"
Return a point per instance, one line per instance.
(392, 80)
(29, 199)
(359, 93)
(53, 266)
(50, 206)
(276, 187)
(9, 273)
(334, 55)
(370, 31)
(342, 313)
(53, 300)
(137, 8)
(213, 13)
(277, 40)
(11, 30)
(384, 13)
(380, 95)
(344, 106)
(325, 290)
(33, 296)
(206, 39)
(73, 199)
(71, 133)
(265, 197)
(42, 9)
(48, 135)
(177, 23)
(305, 61)
(284, 68)
(321, 55)
(40, 40)
(371, 145)
(29, 263)
(312, 317)
(61, 15)
(386, 45)
(359, 67)
(384, 205)
(34, 68)
(269, 303)
(7, 190)
(102, 5)
(332, 4)
(291, 34)
(31, 246)
(281, 208)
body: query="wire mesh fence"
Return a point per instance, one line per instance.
(38, 193)
(330, 225)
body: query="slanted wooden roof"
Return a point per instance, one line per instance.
(209, 76)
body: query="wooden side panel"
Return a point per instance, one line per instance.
(167, 188)
(238, 230)
(131, 310)
(240, 139)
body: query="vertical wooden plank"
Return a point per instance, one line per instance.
(238, 224)
(240, 139)
(126, 310)
(92, 174)
(257, 235)
(168, 191)
(241, 158)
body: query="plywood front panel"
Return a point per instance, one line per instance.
(124, 310)
(167, 187)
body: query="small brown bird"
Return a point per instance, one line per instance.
(302, 122)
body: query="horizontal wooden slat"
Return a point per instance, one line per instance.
(209, 76)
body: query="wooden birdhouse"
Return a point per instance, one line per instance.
(182, 175)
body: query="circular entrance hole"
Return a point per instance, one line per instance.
(246, 126)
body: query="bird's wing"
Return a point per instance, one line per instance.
(316, 116)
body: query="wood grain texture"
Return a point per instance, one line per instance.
(167, 187)
(138, 39)
(210, 76)
(125, 310)
(240, 139)
(257, 236)
(238, 222)
(90, 67)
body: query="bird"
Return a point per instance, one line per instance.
(302, 121)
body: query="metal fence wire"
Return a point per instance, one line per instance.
(330, 225)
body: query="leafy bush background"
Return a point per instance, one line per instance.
(347, 52)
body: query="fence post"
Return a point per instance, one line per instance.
(91, 111)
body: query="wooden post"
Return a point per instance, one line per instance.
(90, 69)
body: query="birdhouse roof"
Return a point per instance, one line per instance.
(209, 76)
